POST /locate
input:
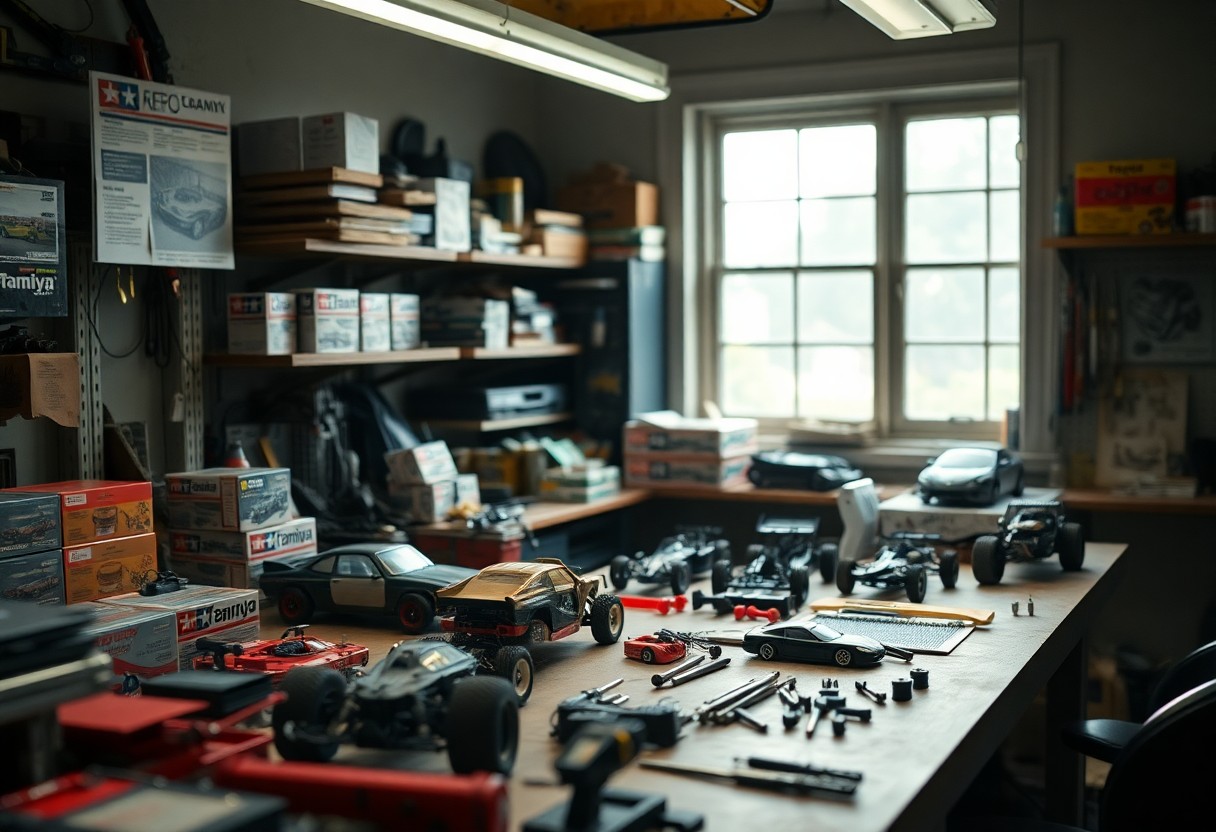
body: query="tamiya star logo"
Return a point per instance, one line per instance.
(115, 95)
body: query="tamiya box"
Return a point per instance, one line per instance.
(659, 470)
(208, 570)
(295, 537)
(36, 577)
(28, 523)
(466, 322)
(222, 613)
(229, 499)
(405, 313)
(1134, 196)
(431, 503)
(907, 512)
(424, 464)
(341, 140)
(262, 323)
(140, 642)
(92, 510)
(581, 484)
(668, 432)
(374, 329)
(109, 567)
(327, 320)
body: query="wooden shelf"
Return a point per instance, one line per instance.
(748, 493)
(311, 246)
(532, 261)
(544, 514)
(487, 425)
(1130, 241)
(522, 351)
(334, 359)
(1100, 500)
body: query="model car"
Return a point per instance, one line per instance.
(1028, 530)
(19, 230)
(810, 641)
(978, 476)
(779, 565)
(422, 694)
(905, 561)
(790, 469)
(360, 578)
(668, 646)
(674, 562)
(275, 657)
(190, 210)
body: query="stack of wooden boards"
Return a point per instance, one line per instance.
(556, 234)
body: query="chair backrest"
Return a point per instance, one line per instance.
(1190, 671)
(857, 502)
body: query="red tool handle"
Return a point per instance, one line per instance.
(755, 613)
(660, 605)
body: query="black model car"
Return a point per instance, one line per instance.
(810, 641)
(423, 694)
(905, 561)
(1029, 530)
(977, 476)
(360, 578)
(791, 469)
(674, 562)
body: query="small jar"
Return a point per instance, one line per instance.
(1201, 215)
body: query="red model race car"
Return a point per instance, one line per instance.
(277, 656)
(655, 649)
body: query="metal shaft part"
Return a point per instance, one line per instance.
(659, 679)
(737, 693)
(698, 672)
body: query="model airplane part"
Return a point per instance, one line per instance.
(812, 642)
(904, 561)
(674, 561)
(276, 657)
(1029, 530)
(977, 476)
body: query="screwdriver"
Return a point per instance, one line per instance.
(792, 767)
(807, 784)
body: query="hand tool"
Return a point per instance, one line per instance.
(821, 704)
(659, 679)
(770, 764)
(804, 784)
(698, 672)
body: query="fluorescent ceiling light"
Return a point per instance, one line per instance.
(904, 19)
(494, 29)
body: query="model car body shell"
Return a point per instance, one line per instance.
(275, 657)
(978, 476)
(20, 231)
(791, 469)
(653, 649)
(809, 641)
(504, 599)
(191, 210)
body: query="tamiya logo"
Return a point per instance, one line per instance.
(186, 486)
(116, 95)
(245, 305)
(185, 543)
(193, 621)
(235, 612)
(273, 541)
(332, 302)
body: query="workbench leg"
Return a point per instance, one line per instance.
(1065, 768)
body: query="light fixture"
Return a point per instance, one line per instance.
(497, 30)
(904, 19)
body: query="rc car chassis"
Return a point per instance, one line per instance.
(675, 561)
(1029, 530)
(905, 561)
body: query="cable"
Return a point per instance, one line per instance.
(88, 5)
(91, 312)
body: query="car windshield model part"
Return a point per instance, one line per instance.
(966, 458)
(355, 566)
(324, 565)
(484, 580)
(435, 659)
(403, 559)
(824, 633)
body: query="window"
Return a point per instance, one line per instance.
(356, 566)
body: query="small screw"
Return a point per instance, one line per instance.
(1015, 607)
(1030, 606)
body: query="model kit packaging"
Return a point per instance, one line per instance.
(93, 510)
(221, 613)
(111, 567)
(424, 464)
(295, 537)
(229, 499)
(270, 146)
(341, 140)
(668, 432)
(404, 317)
(327, 320)
(374, 330)
(28, 523)
(142, 643)
(907, 512)
(205, 570)
(658, 470)
(466, 322)
(36, 577)
(581, 484)
(1128, 197)
(262, 323)
(431, 503)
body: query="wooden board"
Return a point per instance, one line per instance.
(331, 208)
(308, 193)
(318, 176)
(399, 196)
(547, 216)
(899, 608)
(324, 226)
(339, 235)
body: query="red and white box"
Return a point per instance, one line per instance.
(374, 332)
(295, 537)
(327, 320)
(262, 323)
(140, 642)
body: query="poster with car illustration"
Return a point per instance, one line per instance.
(33, 255)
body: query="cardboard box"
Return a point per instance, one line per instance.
(906, 512)
(295, 537)
(140, 642)
(431, 503)
(270, 146)
(262, 323)
(110, 567)
(668, 432)
(205, 570)
(581, 484)
(327, 320)
(451, 225)
(374, 331)
(229, 499)
(34, 257)
(1135, 196)
(36, 577)
(659, 470)
(470, 550)
(341, 140)
(93, 510)
(41, 384)
(221, 613)
(466, 322)
(28, 523)
(612, 204)
(405, 314)
(424, 464)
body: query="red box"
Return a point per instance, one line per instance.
(97, 510)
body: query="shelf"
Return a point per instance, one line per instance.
(307, 246)
(528, 351)
(334, 359)
(1130, 241)
(544, 515)
(487, 425)
(1102, 500)
(533, 261)
(748, 493)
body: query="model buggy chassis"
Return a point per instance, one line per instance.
(691, 551)
(1029, 530)
(905, 561)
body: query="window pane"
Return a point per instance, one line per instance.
(836, 383)
(1003, 379)
(758, 381)
(1006, 225)
(838, 161)
(758, 309)
(838, 232)
(1004, 305)
(941, 383)
(760, 165)
(946, 228)
(944, 305)
(836, 307)
(1004, 169)
(946, 154)
(761, 234)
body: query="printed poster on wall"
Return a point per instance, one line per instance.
(162, 174)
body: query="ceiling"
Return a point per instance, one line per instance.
(605, 17)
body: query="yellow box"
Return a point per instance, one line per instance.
(1134, 196)
(111, 567)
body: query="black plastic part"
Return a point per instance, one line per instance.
(920, 678)
(901, 690)
(224, 693)
(621, 811)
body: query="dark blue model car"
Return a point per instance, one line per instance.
(810, 641)
(979, 476)
(674, 561)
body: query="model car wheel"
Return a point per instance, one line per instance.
(719, 578)
(607, 619)
(845, 580)
(482, 725)
(994, 493)
(1019, 487)
(681, 577)
(415, 612)
(917, 583)
(295, 607)
(800, 584)
(987, 560)
(829, 556)
(620, 570)
(647, 655)
(948, 568)
(1072, 547)
(197, 228)
(314, 697)
(843, 657)
(514, 663)
(539, 632)
(721, 551)
(768, 651)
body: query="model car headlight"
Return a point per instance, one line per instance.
(867, 651)
(982, 478)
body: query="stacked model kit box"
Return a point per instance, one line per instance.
(221, 613)
(141, 643)
(28, 523)
(110, 567)
(405, 313)
(208, 570)
(295, 537)
(658, 470)
(36, 577)
(466, 322)
(374, 329)
(424, 464)
(327, 320)
(668, 432)
(432, 503)
(262, 323)
(1134, 196)
(340, 140)
(229, 499)
(581, 484)
(94, 510)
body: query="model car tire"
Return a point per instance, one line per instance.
(800, 584)
(514, 663)
(719, 577)
(768, 651)
(917, 583)
(1019, 488)
(1072, 547)
(314, 697)
(948, 568)
(620, 571)
(721, 551)
(607, 619)
(987, 560)
(829, 555)
(681, 577)
(845, 580)
(539, 632)
(415, 612)
(197, 229)
(482, 725)
(648, 655)
(843, 657)
(295, 607)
